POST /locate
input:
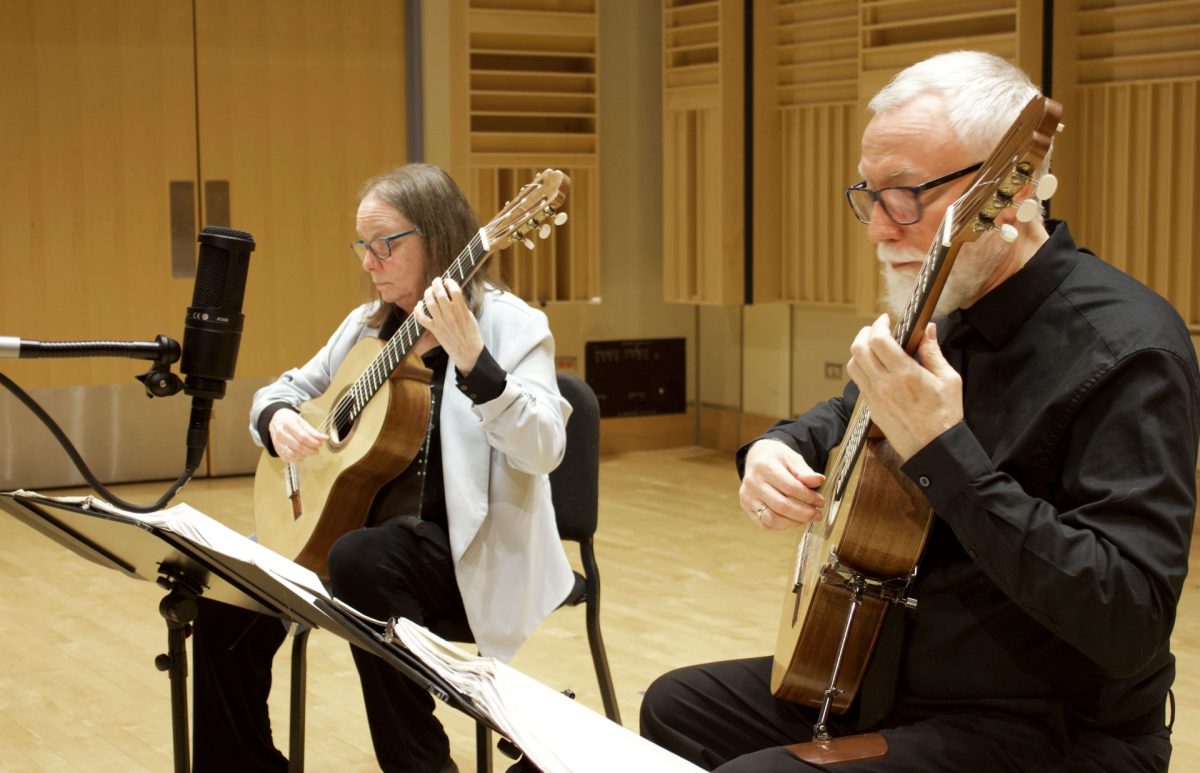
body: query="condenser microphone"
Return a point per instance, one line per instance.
(212, 330)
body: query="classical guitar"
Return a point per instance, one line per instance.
(860, 556)
(300, 509)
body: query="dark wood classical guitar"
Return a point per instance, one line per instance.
(300, 509)
(860, 555)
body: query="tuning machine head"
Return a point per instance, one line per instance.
(1043, 189)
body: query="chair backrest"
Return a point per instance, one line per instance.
(575, 484)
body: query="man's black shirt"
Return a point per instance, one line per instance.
(1064, 499)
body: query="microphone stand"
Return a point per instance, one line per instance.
(158, 380)
(178, 608)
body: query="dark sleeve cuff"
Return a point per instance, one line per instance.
(486, 380)
(739, 457)
(947, 464)
(264, 424)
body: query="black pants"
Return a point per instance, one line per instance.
(232, 650)
(400, 569)
(721, 716)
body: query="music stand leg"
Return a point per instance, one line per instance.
(299, 687)
(178, 608)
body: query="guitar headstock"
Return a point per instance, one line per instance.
(1010, 167)
(534, 210)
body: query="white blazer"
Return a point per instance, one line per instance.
(496, 458)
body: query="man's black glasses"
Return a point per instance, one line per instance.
(902, 204)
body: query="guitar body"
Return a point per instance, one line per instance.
(878, 528)
(339, 482)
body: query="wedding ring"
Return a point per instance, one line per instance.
(758, 513)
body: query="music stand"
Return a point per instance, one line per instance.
(186, 568)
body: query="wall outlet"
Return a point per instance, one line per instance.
(833, 370)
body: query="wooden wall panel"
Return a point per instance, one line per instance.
(531, 79)
(300, 103)
(818, 155)
(703, 134)
(806, 125)
(97, 115)
(817, 64)
(1128, 75)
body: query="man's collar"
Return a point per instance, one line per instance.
(998, 315)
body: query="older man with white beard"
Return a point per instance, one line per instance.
(1051, 419)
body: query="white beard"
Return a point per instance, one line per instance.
(974, 265)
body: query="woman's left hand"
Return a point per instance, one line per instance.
(444, 312)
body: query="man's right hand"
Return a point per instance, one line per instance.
(294, 438)
(778, 487)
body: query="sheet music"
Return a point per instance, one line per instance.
(557, 733)
(190, 523)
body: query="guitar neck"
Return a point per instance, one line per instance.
(910, 326)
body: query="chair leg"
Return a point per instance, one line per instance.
(595, 640)
(483, 748)
(299, 686)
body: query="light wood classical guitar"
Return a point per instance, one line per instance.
(860, 556)
(300, 509)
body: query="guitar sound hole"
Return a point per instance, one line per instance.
(343, 425)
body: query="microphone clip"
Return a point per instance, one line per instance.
(159, 380)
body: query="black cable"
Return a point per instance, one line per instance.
(65, 442)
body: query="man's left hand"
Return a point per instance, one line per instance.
(911, 401)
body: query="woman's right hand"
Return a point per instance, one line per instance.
(294, 438)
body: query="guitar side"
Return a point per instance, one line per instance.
(339, 482)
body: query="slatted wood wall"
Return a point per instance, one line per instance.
(816, 65)
(807, 127)
(703, 131)
(531, 75)
(1129, 76)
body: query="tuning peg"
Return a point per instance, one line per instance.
(1046, 186)
(528, 243)
(1028, 210)
(560, 218)
(1008, 233)
(543, 231)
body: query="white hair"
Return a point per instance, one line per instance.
(981, 93)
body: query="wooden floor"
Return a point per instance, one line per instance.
(685, 579)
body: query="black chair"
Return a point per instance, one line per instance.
(575, 490)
